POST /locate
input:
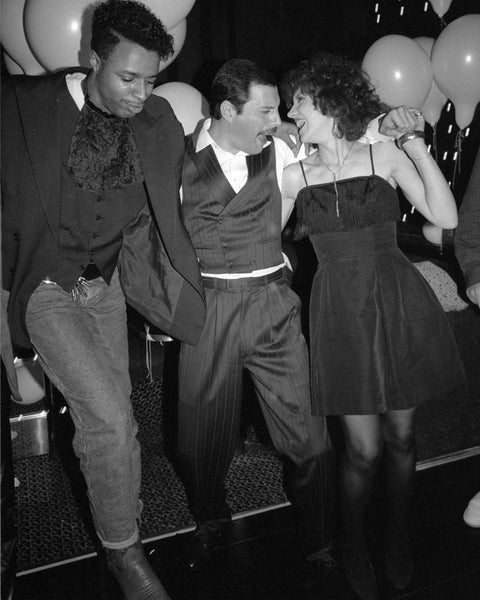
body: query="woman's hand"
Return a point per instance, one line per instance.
(288, 132)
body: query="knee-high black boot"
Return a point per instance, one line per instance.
(400, 465)
(355, 487)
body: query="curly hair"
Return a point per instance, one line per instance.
(132, 20)
(338, 88)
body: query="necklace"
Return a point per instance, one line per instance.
(335, 174)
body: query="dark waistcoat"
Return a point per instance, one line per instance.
(232, 233)
(91, 224)
(91, 228)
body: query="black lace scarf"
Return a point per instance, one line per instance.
(103, 154)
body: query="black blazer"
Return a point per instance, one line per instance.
(467, 234)
(158, 266)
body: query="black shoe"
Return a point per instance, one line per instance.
(322, 577)
(324, 561)
(134, 574)
(360, 574)
(205, 538)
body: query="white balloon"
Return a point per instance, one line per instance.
(187, 103)
(399, 70)
(435, 101)
(14, 41)
(456, 66)
(170, 12)
(440, 7)
(12, 66)
(179, 33)
(59, 31)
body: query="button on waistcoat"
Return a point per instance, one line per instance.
(232, 233)
(91, 223)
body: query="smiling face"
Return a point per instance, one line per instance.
(248, 129)
(122, 82)
(313, 126)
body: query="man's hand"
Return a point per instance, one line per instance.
(401, 120)
(288, 132)
(473, 292)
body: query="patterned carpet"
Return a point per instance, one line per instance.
(53, 518)
(451, 422)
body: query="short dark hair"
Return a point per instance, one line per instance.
(338, 88)
(232, 82)
(132, 20)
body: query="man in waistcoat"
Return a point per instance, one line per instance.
(91, 166)
(232, 210)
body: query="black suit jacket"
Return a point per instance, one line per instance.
(158, 265)
(467, 234)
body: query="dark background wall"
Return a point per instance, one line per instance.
(279, 33)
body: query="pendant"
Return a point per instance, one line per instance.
(336, 195)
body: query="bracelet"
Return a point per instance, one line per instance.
(410, 135)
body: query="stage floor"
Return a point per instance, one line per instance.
(263, 557)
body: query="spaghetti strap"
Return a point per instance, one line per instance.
(303, 172)
(371, 159)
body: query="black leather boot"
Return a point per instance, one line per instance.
(205, 538)
(134, 574)
(359, 573)
(399, 565)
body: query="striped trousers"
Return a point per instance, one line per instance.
(252, 326)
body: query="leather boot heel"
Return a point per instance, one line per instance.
(134, 574)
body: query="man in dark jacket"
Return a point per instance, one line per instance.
(91, 164)
(467, 250)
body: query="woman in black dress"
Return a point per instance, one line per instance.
(379, 340)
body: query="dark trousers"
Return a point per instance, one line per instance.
(253, 327)
(8, 520)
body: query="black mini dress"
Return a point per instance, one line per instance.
(379, 338)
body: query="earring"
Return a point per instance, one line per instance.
(335, 132)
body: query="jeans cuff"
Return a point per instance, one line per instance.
(124, 543)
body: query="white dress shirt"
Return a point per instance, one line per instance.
(74, 84)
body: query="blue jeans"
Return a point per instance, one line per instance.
(83, 348)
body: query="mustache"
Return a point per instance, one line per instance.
(269, 131)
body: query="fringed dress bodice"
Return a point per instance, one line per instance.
(362, 202)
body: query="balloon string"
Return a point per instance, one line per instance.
(458, 149)
(434, 142)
